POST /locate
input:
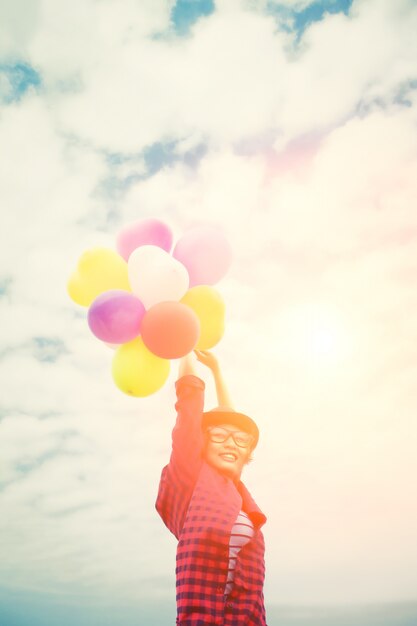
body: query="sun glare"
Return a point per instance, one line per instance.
(317, 335)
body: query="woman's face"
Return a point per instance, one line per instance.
(227, 457)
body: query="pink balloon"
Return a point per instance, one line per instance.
(116, 316)
(146, 232)
(206, 253)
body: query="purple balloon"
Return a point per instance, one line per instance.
(150, 232)
(116, 316)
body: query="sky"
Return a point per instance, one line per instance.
(292, 127)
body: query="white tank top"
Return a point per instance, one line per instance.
(241, 533)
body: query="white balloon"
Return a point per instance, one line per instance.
(155, 276)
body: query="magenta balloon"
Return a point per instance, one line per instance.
(206, 254)
(116, 316)
(150, 232)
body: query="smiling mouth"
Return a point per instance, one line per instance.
(229, 457)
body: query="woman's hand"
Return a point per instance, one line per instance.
(207, 358)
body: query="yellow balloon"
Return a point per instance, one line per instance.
(209, 307)
(137, 371)
(98, 270)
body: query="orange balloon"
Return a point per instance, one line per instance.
(170, 329)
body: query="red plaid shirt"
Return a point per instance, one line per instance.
(199, 506)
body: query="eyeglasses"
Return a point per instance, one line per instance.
(220, 435)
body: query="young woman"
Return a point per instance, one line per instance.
(220, 555)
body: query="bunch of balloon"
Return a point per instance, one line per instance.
(152, 304)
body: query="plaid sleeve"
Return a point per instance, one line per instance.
(187, 436)
(179, 476)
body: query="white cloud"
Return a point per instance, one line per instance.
(47, 180)
(344, 61)
(99, 26)
(18, 23)
(173, 87)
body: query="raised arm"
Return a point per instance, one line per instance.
(208, 359)
(187, 365)
(187, 437)
(179, 476)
